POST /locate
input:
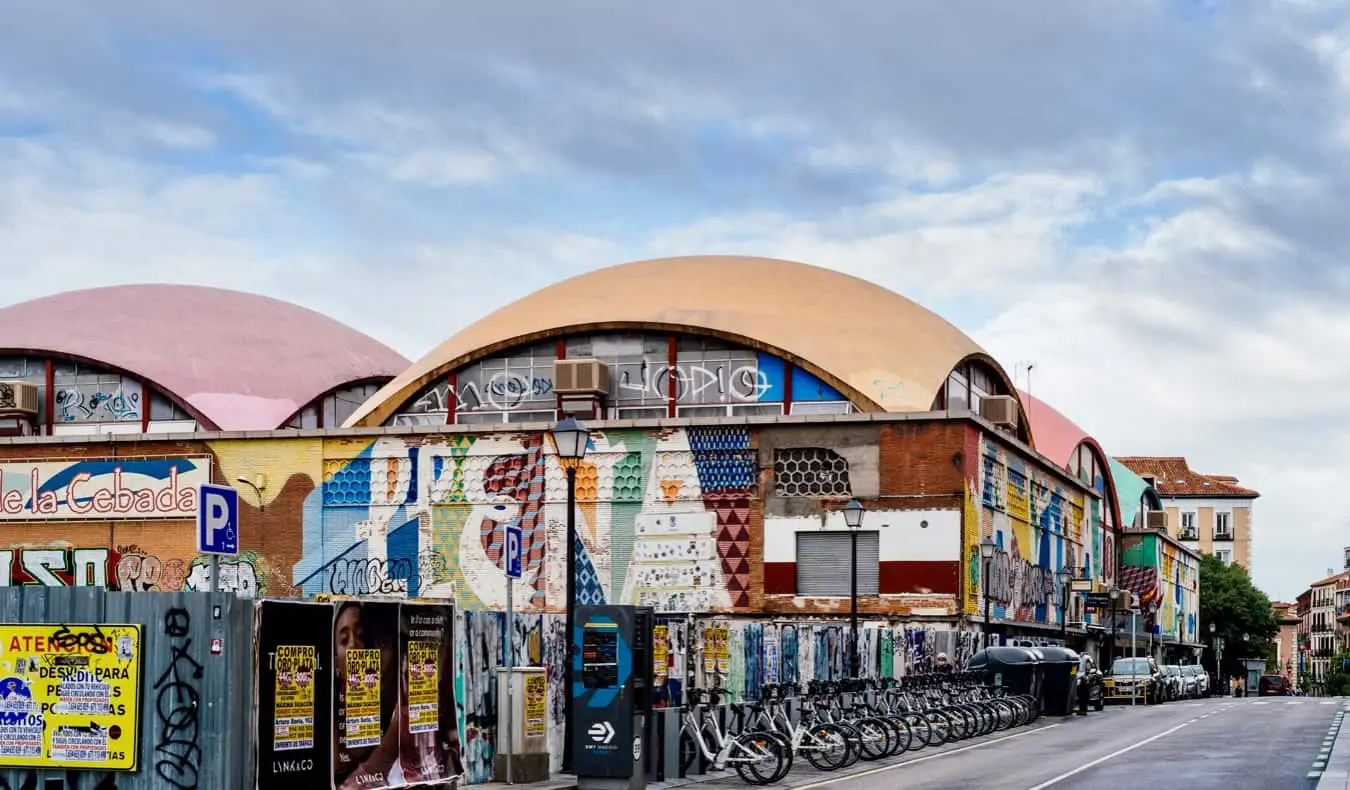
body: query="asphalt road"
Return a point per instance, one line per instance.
(1234, 744)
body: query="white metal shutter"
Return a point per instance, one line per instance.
(824, 563)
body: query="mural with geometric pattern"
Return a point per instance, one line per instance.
(663, 519)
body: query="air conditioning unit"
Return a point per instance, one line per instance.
(18, 398)
(1001, 410)
(1155, 519)
(580, 377)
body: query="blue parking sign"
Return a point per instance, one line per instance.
(218, 520)
(513, 561)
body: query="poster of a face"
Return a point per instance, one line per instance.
(430, 748)
(365, 694)
(393, 689)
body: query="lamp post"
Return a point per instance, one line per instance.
(853, 516)
(569, 440)
(1065, 577)
(987, 548)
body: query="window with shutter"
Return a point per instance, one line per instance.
(824, 563)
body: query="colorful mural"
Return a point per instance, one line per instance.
(1166, 576)
(663, 519)
(1040, 525)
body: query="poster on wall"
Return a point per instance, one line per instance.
(393, 695)
(293, 675)
(536, 705)
(68, 696)
(130, 488)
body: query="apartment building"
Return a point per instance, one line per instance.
(1286, 642)
(1206, 512)
(1318, 633)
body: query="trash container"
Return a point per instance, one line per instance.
(1016, 669)
(1059, 666)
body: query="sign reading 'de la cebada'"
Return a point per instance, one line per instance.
(68, 696)
(140, 488)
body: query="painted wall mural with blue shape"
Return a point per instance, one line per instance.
(662, 519)
(1040, 525)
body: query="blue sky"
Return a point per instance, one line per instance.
(1145, 198)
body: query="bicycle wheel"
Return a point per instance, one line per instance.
(876, 738)
(827, 747)
(919, 728)
(903, 736)
(688, 752)
(758, 757)
(854, 742)
(938, 727)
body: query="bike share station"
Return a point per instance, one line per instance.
(613, 723)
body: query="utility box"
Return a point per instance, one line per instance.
(522, 712)
(612, 697)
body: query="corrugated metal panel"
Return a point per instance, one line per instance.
(824, 563)
(195, 716)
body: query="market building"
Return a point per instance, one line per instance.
(732, 415)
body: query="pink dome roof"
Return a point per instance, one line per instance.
(242, 361)
(1057, 437)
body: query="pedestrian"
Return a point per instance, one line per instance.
(943, 665)
(1084, 682)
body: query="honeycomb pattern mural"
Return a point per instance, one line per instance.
(810, 472)
(346, 482)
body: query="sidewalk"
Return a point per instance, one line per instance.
(1332, 767)
(564, 782)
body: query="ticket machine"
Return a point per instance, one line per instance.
(612, 696)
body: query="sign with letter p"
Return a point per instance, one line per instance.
(218, 520)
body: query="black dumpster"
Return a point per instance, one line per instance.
(1016, 669)
(1059, 667)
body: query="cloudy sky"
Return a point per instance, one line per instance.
(1140, 197)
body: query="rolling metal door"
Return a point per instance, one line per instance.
(824, 563)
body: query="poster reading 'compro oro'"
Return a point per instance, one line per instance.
(68, 696)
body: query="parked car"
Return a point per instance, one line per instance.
(1137, 678)
(1272, 686)
(1174, 680)
(1201, 678)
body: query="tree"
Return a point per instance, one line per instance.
(1337, 682)
(1235, 606)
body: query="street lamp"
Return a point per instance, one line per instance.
(1065, 577)
(570, 439)
(987, 549)
(853, 517)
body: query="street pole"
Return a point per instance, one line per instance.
(571, 612)
(1134, 652)
(1064, 617)
(506, 651)
(853, 602)
(988, 608)
(215, 573)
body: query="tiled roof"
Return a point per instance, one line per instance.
(1174, 477)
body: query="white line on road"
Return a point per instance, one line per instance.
(883, 769)
(1116, 753)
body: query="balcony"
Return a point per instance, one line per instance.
(1188, 533)
(1223, 534)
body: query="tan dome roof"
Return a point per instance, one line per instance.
(875, 346)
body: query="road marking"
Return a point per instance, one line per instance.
(1116, 753)
(1329, 702)
(1262, 702)
(883, 769)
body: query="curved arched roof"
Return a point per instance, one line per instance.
(880, 349)
(241, 361)
(1058, 438)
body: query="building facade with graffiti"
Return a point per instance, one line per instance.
(732, 414)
